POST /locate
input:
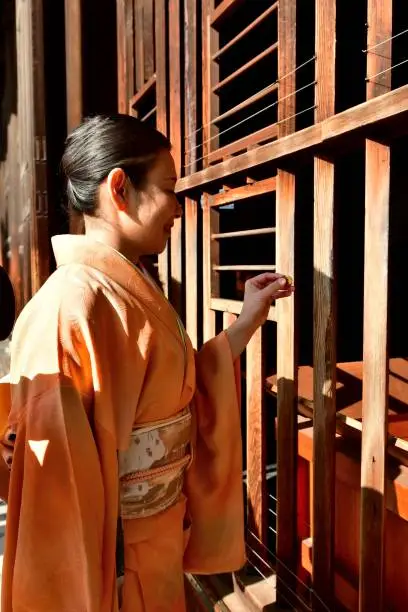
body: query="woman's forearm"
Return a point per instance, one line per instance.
(239, 334)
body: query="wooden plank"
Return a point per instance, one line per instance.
(210, 254)
(333, 131)
(148, 39)
(122, 56)
(235, 307)
(224, 10)
(255, 60)
(253, 268)
(246, 30)
(143, 91)
(324, 358)
(324, 340)
(268, 133)
(139, 50)
(286, 543)
(175, 89)
(244, 192)
(247, 102)
(191, 212)
(39, 247)
(160, 33)
(287, 382)
(375, 369)
(210, 42)
(257, 514)
(243, 233)
(73, 55)
(190, 84)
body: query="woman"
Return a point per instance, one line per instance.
(114, 413)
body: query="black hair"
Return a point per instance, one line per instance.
(102, 143)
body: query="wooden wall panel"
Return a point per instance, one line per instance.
(73, 46)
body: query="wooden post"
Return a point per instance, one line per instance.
(121, 52)
(210, 78)
(191, 270)
(256, 445)
(176, 132)
(324, 341)
(138, 30)
(73, 54)
(160, 34)
(210, 222)
(375, 371)
(285, 309)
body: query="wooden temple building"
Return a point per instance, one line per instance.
(289, 123)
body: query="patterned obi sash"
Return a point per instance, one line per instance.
(151, 470)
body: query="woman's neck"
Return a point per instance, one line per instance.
(107, 235)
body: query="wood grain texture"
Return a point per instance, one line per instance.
(286, 66)
(191, 213)
(190, 85)
(257, 513)
(209, 226)
(73, 54)
(139, 47)
(325, 46)
(375, 373)
(210, 70)
(148, 39)
(375, 368)
(324, 379)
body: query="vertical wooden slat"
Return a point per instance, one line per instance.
(210, 78)
(138, 43)
(40, 256)
(176, 134)
(148, 42)
(256, 447)
(209, 221)
(73, 54)
(122, 57)
(286, 329)
(191, 270)
(324, 341)
(160, 37)
(375, 370)
(190, 84)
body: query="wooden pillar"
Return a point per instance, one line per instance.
(375, 371)
(160, 35)
(285, 309)
(210, 78)
(324, 340)
(210, 257)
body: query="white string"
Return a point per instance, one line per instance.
(311, 590)
(250, 117)
(285, 76)
(373, 76)
(384, 41)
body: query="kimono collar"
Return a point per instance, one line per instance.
(79, 249)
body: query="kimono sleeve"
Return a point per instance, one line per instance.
(214, 484)
(54, 536)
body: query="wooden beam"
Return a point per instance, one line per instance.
(73, 54)
(257, 513)
(224, 10)
(375, 369)
(122, 57)
(143, 91)
(190, 85)
(286, 545)
(148, 39)
(324, 340)
(138, 42)
(235, 306)
(255, 60)
(335, 130)
(244, 192)
(267, 133)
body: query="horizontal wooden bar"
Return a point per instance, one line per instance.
(223, 11)
(245, 67)
(256, 138)
(247, 102)
(250, 268)
(357, 120)
(143, 91)
(149, 114)
(242, 193)
(246, 30)
(241, 234)
(235, 307)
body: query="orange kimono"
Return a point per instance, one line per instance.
(117, 416)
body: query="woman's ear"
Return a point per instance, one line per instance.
(116, 183)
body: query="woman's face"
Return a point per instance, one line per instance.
(152, 210)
